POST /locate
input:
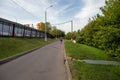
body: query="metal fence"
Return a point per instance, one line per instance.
(13, 29)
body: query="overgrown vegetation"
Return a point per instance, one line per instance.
(13, 46)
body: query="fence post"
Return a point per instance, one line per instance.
(13, 32)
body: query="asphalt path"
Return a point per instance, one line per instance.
(46, 63)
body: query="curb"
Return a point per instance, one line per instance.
(17, 56)
(69, 76)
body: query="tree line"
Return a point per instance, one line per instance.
(103, 31)
(51, 29)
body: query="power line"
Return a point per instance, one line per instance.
(24, 9)
(65, 23)
(61, 23)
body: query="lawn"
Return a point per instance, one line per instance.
(81, 51)
(85, 71)
(13, 46)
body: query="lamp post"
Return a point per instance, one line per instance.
(71, 29)
(71, 25)
(46, 21)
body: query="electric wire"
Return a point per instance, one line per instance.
(24, 9)
(62, 23)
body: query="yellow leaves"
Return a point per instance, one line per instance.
(41, 26)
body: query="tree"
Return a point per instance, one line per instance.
(41, 26)
(57, 32)
(103, 31)
(71, 35)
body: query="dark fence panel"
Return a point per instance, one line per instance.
(13, 29)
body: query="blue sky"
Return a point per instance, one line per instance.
(33, 11)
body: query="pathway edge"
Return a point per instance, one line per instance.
(69, 76)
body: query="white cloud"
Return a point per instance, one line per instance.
(37, 8)
(63, 9)
(90, 9)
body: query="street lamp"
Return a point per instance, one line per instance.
(71, 25)
(71, 29)
(46, 21)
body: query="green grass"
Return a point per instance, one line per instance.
(84, 71)
(13, 46)
(80, 51)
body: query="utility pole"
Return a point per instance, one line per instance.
(45, 25)
(46, 21)
(71, 26)
(71, 29)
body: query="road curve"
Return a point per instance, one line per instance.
(46, 63)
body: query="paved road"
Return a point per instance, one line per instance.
(45, 63)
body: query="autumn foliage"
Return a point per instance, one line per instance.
(41, 26)
(50, 29)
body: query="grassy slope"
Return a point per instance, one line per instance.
(84, 71)
(13, 46)
(80, 51)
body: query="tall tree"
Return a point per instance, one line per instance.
(57, 32)
(103, 31)
(41, 26)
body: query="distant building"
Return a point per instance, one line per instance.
(29, 25)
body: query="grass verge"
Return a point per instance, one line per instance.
(80, 51)
(85, 71)
(13, 46)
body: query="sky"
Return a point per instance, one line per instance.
(33, 12)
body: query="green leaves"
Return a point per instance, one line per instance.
(71, 35)
(104, 31)
(51, 29)
(57, 33)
